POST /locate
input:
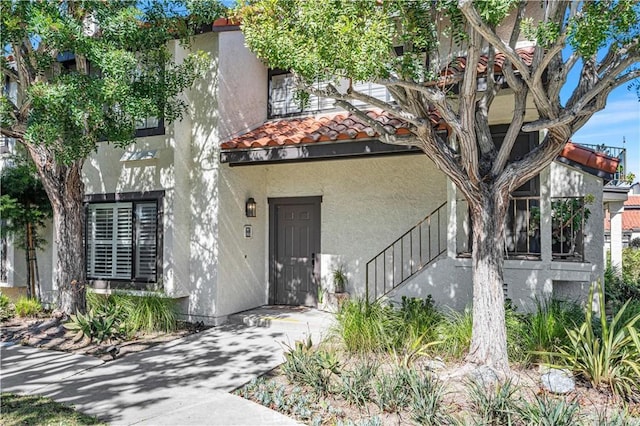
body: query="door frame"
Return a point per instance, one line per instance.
(273, 204)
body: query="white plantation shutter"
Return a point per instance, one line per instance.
(111, 240)
(123, 231)
(146, 244)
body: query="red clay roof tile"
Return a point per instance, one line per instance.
(340, 127)
(458, 65)
(630, 220)
(589, 158)
(347, 127)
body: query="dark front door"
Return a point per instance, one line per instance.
(294, 250)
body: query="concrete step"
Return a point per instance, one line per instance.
(292, 322)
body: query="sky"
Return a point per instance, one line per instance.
(620, 119)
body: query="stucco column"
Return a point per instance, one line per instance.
(452, 225)
(615, 213)
(545, 215)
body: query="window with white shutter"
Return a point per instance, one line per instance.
(146, 240)
(122, 240)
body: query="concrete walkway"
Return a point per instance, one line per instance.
(183, 382)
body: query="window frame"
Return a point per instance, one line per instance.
(142, 132)
(135, 198)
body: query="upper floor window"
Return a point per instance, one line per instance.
(150, 126)
(122, 240)
(284, 98)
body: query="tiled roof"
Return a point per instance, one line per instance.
(296, 131)
(590, 158)
(630, 215)
(458, 65)
(225, 22)
(633, 200)
(348, 127)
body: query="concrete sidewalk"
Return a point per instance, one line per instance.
(183, 382)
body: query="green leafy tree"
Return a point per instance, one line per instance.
(82, 72)
(404, 45)
(24, 209)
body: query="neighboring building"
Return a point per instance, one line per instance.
(250, 200)
(630, 222)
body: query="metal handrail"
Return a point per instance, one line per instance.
(409, 264)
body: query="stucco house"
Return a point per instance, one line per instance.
(252, 200)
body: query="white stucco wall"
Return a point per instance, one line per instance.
(17, 265)
(366, 204)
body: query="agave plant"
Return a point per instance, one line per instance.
(609, 359)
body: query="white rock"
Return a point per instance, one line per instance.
(558, 381)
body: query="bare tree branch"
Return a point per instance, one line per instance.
(556, 49)
(600, 101)
(577, 102)
(390, 108)
(467, 108)
(382, 132)
(446, 160)
(518, 172)
(466, 7)
(12, 74)
(520, 102)
(515, 32)
(434, 96)
(16, 132)
(558, 76)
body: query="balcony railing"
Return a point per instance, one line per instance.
(522, 230)
(568, 218)
(284, 100)
(620, 177)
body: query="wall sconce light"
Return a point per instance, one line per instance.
(250, 208)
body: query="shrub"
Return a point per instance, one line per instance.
(307, 366)
(27, 307)
(366, 327)
(4, 301)
(149, 313)
(546, 410)
(419, 318)
(619, 289)
(455, 332)
(356, 384)
(610, 359)
(6, 309)
(548, 324)
(517, 334)
(631, 266)
(427, 400)
(493, 404)
(98, 326)
(392, 390)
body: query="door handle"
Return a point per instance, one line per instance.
(313, 260)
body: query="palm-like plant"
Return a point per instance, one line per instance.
(610, 359)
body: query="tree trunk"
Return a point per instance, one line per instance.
(27, 258)
(488, 339)
(65, 189)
